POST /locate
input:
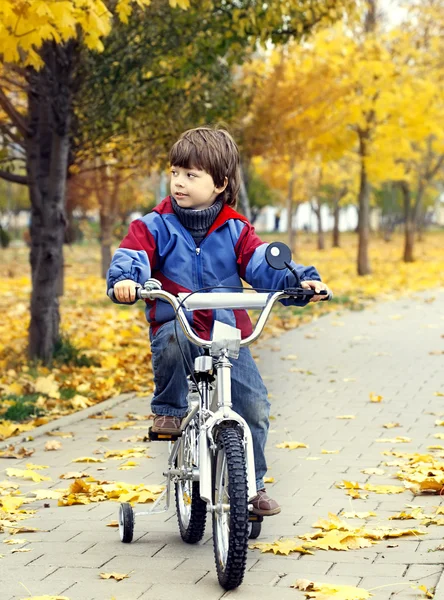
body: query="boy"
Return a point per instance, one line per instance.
(194, 239)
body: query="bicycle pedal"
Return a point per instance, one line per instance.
(255, 518)
(154, 436)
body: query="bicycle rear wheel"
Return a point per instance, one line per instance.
(230, 502)
(191, 510)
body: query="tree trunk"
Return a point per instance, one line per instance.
(243, 196)
(106, 238)
(321, 238)
(47, 146)
(364, 210)
(335, 236)
(291, 232)
(409, 226)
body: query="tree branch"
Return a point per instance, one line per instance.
(15, 138)
(13, 114)
(14, 178)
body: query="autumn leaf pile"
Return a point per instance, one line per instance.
(114, 339)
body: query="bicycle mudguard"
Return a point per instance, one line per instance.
(206, 438)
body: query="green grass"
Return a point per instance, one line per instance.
(23, 407)
(67, 354)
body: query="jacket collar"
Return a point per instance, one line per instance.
(165, 207)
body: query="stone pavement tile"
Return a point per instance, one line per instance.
(270, 593)
(202, 591)
(206, 562)
(300, 573)
(427, 574)
(366, 555)
(24, 587)
(369, 569)
(12, 578)
(393, 588)
(91, 559)
(73, 547)
(283, 564)
(140, 573)
(124, 564)
(19, 559)
(431, 546)
(418, 558)
(103, 589)
(143, 547)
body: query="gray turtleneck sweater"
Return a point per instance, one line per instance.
(198, 222)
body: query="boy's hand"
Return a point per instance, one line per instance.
(125, 290)
(317, 286)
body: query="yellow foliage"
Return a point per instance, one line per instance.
(25, 26)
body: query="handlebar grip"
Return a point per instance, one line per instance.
(111, 295)
(328, 297)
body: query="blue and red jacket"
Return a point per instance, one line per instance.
(158, 245)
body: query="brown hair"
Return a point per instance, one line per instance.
(213, 151)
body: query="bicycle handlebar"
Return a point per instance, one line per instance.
(215, 300)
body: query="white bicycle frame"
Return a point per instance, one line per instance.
(225, 343)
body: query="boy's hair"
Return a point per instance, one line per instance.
(213, 151)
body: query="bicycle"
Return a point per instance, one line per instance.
(211, 461)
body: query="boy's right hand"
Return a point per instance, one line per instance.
(125, 290)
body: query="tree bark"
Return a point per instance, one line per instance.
(291, 232)
(106, 238)
(409, 223)
(321, 238)
(364, 209)
(108, 186)
(243, 195)
(335, 233)
(47, 146)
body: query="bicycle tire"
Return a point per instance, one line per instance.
(191, 510)
(230, 533)
(126, 522)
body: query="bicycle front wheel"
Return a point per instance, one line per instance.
(230, 504)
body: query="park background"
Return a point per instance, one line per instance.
(338, 110)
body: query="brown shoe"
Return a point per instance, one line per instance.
(263, 505)
(166, 424)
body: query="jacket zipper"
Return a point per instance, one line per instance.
(199, 267)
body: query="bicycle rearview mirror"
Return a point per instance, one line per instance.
(278, 255)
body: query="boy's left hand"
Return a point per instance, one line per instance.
(317, 286)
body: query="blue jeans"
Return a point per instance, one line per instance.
(249, 394)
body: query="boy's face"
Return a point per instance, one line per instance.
(193, 188)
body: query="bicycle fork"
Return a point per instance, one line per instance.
(209, 426)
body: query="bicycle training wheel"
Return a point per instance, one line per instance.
(191, 510)
(230, 502)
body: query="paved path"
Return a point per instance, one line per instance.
(341, 358)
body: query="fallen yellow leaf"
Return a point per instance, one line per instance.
(323, 591)
(346, 417)
(280, 547)
(88, 459)
(292, 445)
(28, 474)
(375, 398)
(116, 576)
(373, 471)
(54, 445)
